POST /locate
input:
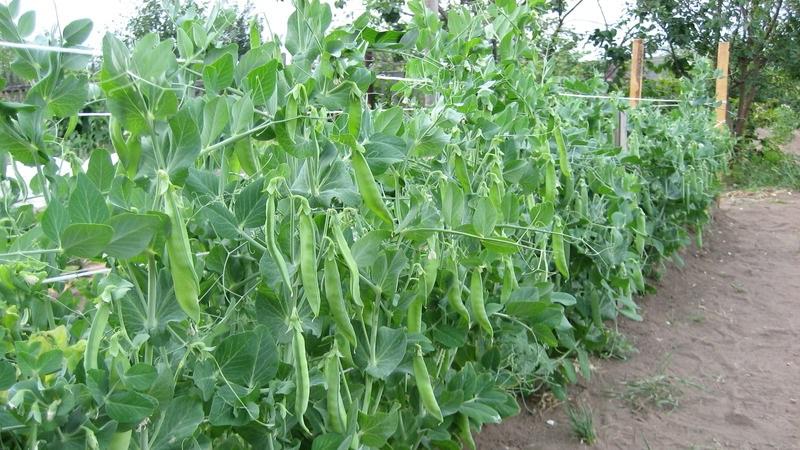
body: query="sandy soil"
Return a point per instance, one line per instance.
(725, 329)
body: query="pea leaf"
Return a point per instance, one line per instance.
(86, 203)
(219, 74)
(8, 375)
(76, 32)
(389, 352)
(140, 377)
(250, 205)
(262, 83)
(181, 418)
(484, 218)
(54, 220)
(101, 169)
(132, 234)
(248, 359)
(376, 429)
(86, 240)
(383, 150)
(184, 142)
(130, 406)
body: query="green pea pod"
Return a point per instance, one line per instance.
(333, 293)
(337, 415)
(431, 265)
(476, 302)
(509, 280)
(308, 257)
(454, 293)
(272, 244)
(641, 232)
(368, 187)
(550, 181)
(559, 254)
(290, 114)
(349, 260)
(181, 262)
(95, 336)
(120, 440)
(414, 317)
(563, 159)
(423, 381)
(462, 420)
(301, 377)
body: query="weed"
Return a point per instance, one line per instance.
(582, 422)
(659, 391)
(618, 346)
(763, 169)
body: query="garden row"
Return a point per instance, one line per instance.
(293, 269)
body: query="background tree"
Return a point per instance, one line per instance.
(162, 17)
(764, 37)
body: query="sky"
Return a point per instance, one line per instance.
(113, 14)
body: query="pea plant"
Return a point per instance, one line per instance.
(275, 264)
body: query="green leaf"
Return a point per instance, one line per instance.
(250, 205)
(181, 418)
(383, 150)
(563, 298)
(262, 83)
(219, 74)
(184, 142)
(54, 220)
(86, 203)
(388, 122)
(328, 441)
(222, 221)
(76, 32)
(140, 377)
(542, 215)
(248, 359)
(49, 362)
(389, 352)
(484, 218)
(132, 234)
(129, 406)
(376, 429)
(26, 23)
(101, 169)
(86, 240)
(8, 375)
(215, 119)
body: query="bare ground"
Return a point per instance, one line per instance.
(725, 329)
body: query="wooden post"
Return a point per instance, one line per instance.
(621, 132)
(723, 53)
(637, 71)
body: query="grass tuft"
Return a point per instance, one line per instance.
(660, 391)
(581, 420)
(617, 346)
(770, 168)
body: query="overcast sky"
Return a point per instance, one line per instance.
(113, 14)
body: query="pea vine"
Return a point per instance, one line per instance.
(275, 264)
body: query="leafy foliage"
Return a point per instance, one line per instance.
(290, 268)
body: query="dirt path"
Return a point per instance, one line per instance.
(724, 329)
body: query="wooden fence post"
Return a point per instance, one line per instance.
(637, 71)
(723, 53)
(433, 5)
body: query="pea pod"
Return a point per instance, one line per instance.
(462, 421)
(559, 253)
(349, 260)
(423, 381)
(337, 415)
(414, 313)
(454, 292)
(302, 381)
(563, 159)
(368, 187)
(431, 265)
(641, 232)
(181, 263)
(308, 257)
(121, 440)
(550, 181)
(95, 336)
(333, 293)
(509, 280)
(476, 302)
(272, 244)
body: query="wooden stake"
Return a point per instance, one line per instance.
(723, 53)
(637, 71)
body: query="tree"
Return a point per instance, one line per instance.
(764, 37)
(162, 17)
